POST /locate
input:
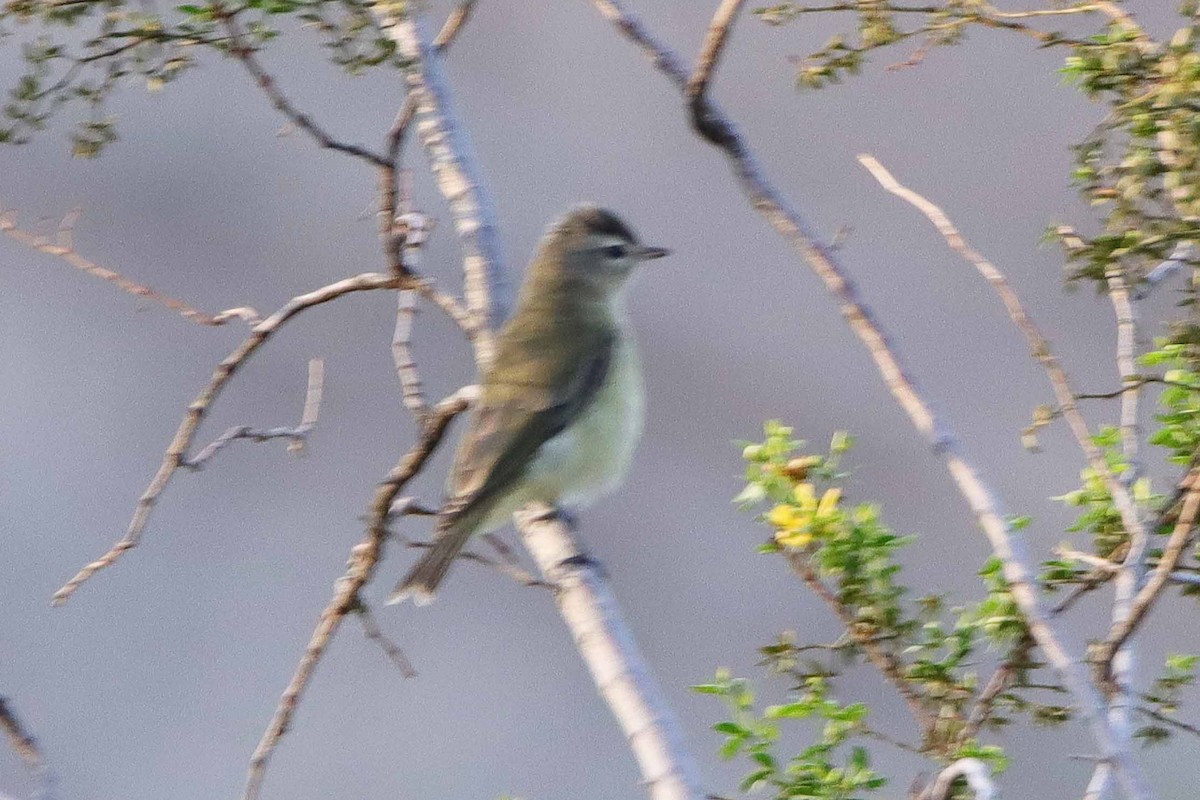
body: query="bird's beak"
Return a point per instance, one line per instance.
(648, 253)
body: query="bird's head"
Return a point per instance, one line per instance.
(591, 248)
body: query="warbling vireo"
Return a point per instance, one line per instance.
(560, 409)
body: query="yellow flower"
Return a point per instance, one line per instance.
(794, 538)
(792, 525)
(828, 503)
(784, 516)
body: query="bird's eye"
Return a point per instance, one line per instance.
(614, 250)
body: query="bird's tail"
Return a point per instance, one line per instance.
(422, 580)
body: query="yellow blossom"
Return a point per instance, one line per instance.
(785, 516)
(794, 538)
(829, 502)
(792, 525)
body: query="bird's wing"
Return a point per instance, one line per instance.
(515, 418)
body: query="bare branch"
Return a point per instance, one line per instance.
(390, 649)
(296, 436)
(1186, 578)
(414, 228)
(1039, 345)
(63, 247)
(244, 53)
(454, 168)
(26, 748)
(714, 45)
(1178, 724)
(522, 576)
(404, 117)
(1144, 600)
(364, 558)
(1129, 574)
(453, 25)
(1118, 665)
(883, 660)
(406, 367)
(176, 453)
(1118, 293)
(1001, 679)
(590, 611)
(1179, 258)
(1006, 543)
(974, 771)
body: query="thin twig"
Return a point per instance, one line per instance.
(1180, 256)
(296, 436)
(1092, 581)
(26, 747)
(390, 649)
(406, 367)
(1006, 543)
(364, 558)
(522, 576)
(1039, 345)
(63, 247)
(1095, 562)
(453, 25)
(1158, 579)
(973, 770)
(714, 45)
(981, 14)
(244, 53)
(507, 565)
(1169, 720)
(176, 452)
(1001, 679)
(884, 660)
(1129, 573)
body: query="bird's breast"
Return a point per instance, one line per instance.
(590, 457)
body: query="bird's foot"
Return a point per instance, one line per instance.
(558, 514)
(582, 561)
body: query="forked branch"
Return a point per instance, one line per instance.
(360, 568)
(176, 452)
(458, 179)
(1142, 602)
(1039, 345)
(63, 246)
(1006, 543)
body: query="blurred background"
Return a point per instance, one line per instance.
(159, 676)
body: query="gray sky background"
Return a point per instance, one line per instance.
(158, 678)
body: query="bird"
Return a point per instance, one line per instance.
(560, 409)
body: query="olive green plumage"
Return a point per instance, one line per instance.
(560, 408)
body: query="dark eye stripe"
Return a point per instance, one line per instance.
(614, 250)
